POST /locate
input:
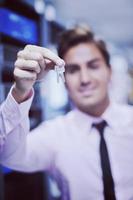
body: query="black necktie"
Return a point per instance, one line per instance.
(108, 183)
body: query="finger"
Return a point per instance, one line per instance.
(28, 55)
(24, 74)
(30, 65)
(49, 65)
(46, 53)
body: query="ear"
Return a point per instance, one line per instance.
(65, 83)
(110, 72)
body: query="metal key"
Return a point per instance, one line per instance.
(60, 73)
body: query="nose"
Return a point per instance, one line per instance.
(85, 76)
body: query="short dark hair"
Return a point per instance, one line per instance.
(77, 35)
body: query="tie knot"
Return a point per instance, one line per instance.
(100, 126)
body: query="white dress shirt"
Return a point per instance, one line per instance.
(69, 146)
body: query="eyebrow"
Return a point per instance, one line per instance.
(71, 65)
(93, 61)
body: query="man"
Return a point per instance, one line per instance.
(89, 161)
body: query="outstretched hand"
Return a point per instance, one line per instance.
(32, 64)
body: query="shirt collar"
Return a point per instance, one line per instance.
(85, 121)
(112, 115)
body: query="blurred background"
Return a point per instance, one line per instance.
(39, 22)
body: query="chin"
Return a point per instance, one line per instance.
(87, 105)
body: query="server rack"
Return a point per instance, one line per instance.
(19, 18)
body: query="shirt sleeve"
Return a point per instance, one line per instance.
(11, 115)
(20, 149)
(14, 124)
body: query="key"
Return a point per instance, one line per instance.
(60, 73)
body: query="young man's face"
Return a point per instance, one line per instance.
(87, 78)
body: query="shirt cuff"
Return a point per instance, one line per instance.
(14, 109)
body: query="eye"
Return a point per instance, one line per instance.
(73, 68)
(93, 65)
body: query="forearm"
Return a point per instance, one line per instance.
(21, 96)
(19, 150)
(14, 123)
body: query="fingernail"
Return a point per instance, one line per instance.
(60, 62)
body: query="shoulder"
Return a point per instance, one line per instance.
(124, 108)
(59, 122)
(124, 111)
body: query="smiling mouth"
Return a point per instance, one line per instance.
(87, 91)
